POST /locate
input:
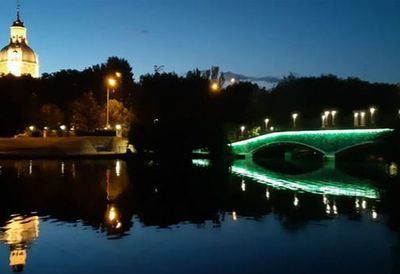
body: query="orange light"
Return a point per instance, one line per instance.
(111, 82)
(215, 87)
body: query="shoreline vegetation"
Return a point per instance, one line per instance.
(172, 115)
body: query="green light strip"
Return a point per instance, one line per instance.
(328, 141)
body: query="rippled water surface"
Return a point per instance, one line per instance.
(117, 217)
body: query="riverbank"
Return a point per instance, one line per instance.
(59, 147)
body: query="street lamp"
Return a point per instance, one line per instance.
(372, 111)
(356, 115)
(266, 123)
(111, 84)
(242, 128)
(333, 113)
(214, 87)
(362, 123)
(295, 116)
(327, 118)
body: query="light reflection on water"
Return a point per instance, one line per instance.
(135, 205)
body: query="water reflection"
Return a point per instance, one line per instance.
(109, 196)
(19, 233)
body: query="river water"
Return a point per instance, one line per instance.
(110, 216)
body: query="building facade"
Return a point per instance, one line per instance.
(17, 58)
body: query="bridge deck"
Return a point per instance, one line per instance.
(328, 142)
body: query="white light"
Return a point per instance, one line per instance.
(374, 214)
(62, 168)
(233, 80)
(271, 128)
(266, 122)
(234, 215)
(243, 186)
(357, 203)
(296, 201)
(63, 127)
(30, 167)
(335, 210)
(118, 127)
(325, 200)
(32, 128)
(118, 168)
(372, 110)
(267, 194)
(364, 204)
(327, 113)
(242, 128)
(328, 209)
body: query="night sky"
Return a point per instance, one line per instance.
(251, 37)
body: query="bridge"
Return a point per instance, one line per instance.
(328, 142)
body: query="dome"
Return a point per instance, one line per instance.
(28, 55)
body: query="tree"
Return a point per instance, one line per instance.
(51, 116)
(85, 113)
(119, 115)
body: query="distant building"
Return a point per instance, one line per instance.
(18, 58)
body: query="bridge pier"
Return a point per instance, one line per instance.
(288, 156)
(329, 160)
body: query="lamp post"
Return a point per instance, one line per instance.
(242, 128)
(362, 123)
(356, 121)
(111, 84)
(333, 113)
(266, 124)
(323, 117)
(372, 112)
(295, 116)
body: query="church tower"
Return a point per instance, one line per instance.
(17, 58)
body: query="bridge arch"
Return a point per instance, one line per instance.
(276, 143)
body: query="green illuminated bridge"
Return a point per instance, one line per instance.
(328, 142)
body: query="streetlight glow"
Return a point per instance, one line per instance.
(266, 121)
(372, 111)
(333, 113)
(112, 82)
(214, 87)
(294, 116)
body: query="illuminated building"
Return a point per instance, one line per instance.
(17, 58)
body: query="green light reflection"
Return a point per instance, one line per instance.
(325, 181)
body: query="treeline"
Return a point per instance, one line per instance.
(68, 97)
(170, 114)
